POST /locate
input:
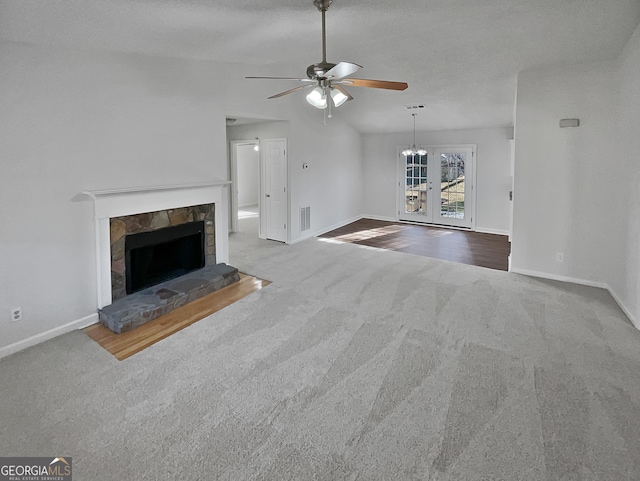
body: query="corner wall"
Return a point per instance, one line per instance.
(625, 283)
(565, 178)
(332, 185)
(576, 188)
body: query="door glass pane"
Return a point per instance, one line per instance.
(452, 185)
(416, 185)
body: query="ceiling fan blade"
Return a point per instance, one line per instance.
(301, 87)
(342, 70)
(341, 89)
(374, 84)
(285, 78)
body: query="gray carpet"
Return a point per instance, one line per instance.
(354, 364)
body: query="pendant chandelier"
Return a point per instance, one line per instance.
(413, 150)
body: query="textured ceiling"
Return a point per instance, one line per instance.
(460, 57)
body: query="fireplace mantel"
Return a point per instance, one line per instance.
(110, 203)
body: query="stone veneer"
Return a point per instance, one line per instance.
(150, 221)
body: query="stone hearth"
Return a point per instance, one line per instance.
(144, 306)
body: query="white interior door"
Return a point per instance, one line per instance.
(275, 204)
(438, 187)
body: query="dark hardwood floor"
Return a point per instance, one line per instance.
(474, 248)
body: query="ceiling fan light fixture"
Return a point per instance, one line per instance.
(338, 97)
(317, 98)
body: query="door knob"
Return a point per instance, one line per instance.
(268, 195)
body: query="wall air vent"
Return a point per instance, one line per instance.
(305, 218)
(414, 106)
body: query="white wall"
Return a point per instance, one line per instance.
(576, 189)
(262, 130)
(248, 175)
(75, 120)
(625, 283)
(381, 157)
(332, 185)
(567, 180)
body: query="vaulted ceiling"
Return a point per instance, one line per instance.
(460, 57)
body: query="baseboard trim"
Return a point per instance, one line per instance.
(482, 230)
(324, 231)
(555, 277)
(583, 282)
(394, 219)
(46, 335)
(379, 217)
(624, 309)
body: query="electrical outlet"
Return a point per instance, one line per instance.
(16, 314)
(559, 257)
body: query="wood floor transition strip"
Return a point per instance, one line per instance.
(125, 345)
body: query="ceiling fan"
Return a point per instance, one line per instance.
(328, 79)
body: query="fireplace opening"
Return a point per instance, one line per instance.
(163, 254)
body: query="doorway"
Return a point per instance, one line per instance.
(438, 187)
(259, 194)
(245, 177)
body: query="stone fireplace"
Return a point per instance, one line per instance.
(184, 217)
(166, 226)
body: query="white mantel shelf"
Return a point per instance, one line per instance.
(95, 194)
(120, 202)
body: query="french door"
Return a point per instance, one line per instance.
(437, 188)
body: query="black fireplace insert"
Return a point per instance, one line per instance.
(163, 254)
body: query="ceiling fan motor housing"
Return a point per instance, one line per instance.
(322, 4)
(318, 70)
